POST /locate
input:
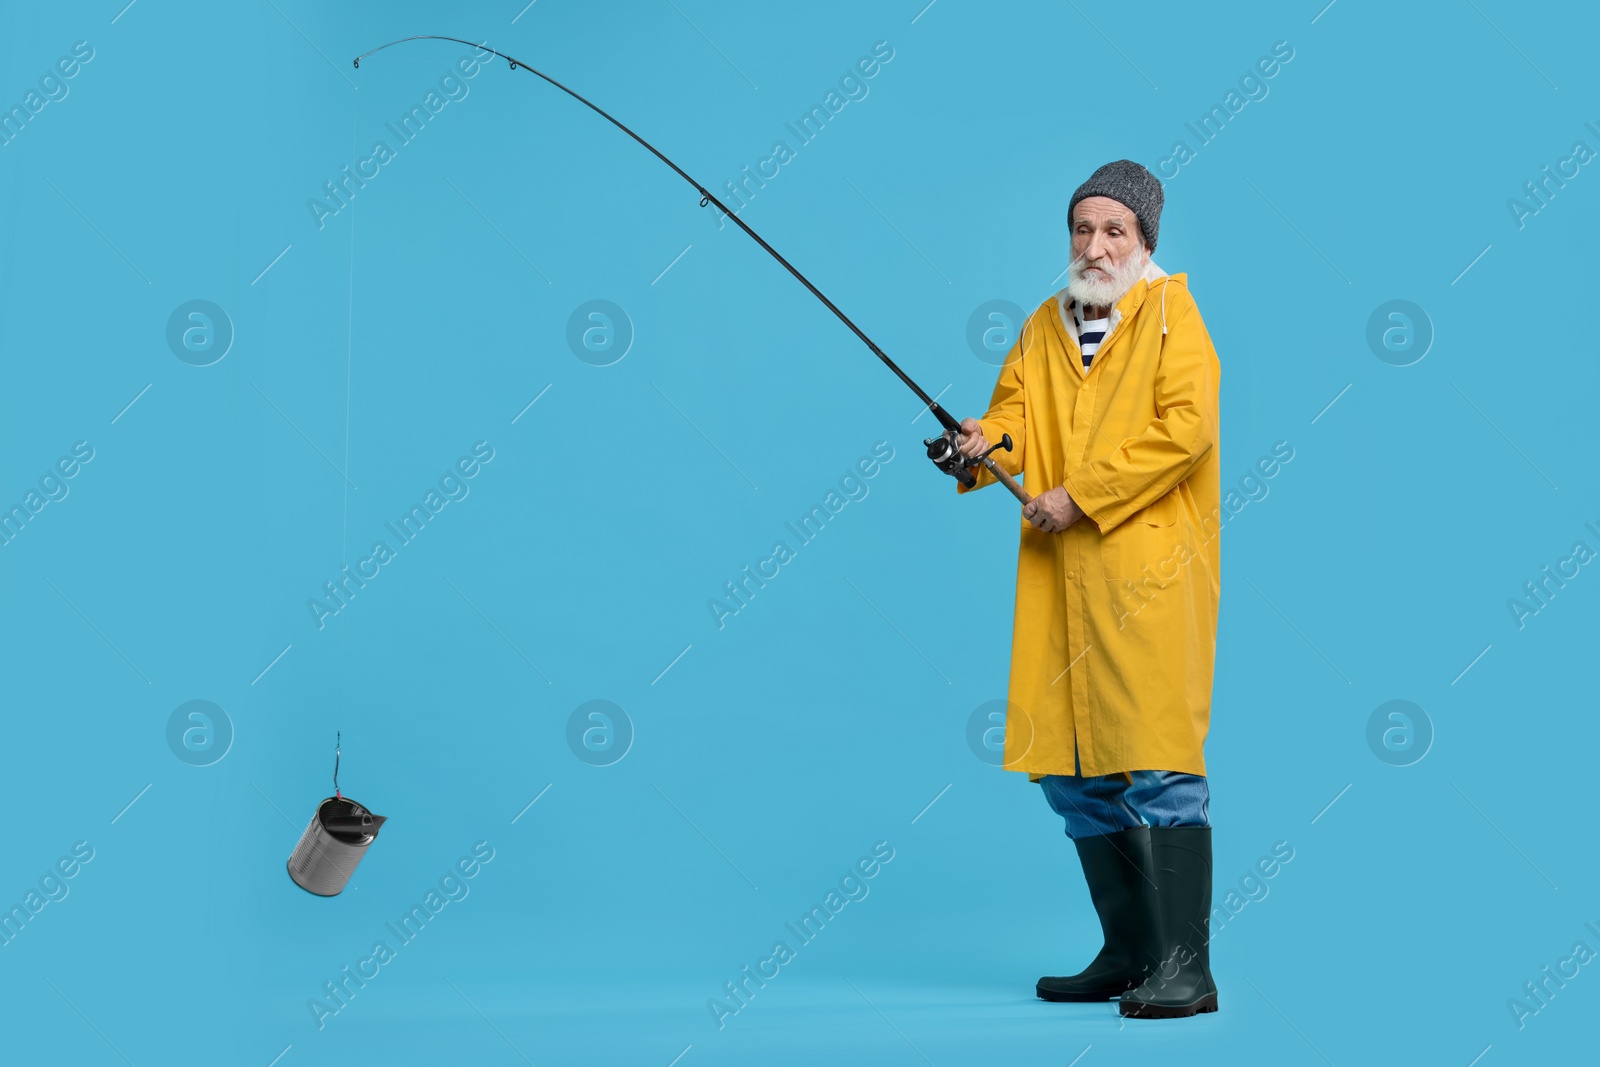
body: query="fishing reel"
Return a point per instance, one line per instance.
(945, 452)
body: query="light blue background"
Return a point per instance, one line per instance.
(830, 712)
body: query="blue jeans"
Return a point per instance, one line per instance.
(1108, 803)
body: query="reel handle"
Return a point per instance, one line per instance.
(1005, 443)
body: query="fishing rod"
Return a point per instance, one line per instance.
(944, 450)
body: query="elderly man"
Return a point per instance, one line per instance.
(1110, 396)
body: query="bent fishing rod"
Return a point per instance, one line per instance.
(945, 450)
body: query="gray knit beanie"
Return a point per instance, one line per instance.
(1127, 183)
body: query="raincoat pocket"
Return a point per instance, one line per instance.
(1144, 539)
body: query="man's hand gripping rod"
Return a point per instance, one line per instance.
(946, 455)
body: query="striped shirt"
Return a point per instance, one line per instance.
(1090, 333)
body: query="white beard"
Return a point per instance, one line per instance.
(1097, 290)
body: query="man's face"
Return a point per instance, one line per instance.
(1108, 253)
(1104, 233)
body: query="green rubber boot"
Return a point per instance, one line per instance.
(1122, 885)
(1181, 983)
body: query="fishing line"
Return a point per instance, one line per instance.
(341, 830)
(944, 450)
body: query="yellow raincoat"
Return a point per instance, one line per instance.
(1114, 636)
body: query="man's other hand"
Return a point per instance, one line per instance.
(972, 442)
(1053, 511)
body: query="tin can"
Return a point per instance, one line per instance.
(333, 844)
